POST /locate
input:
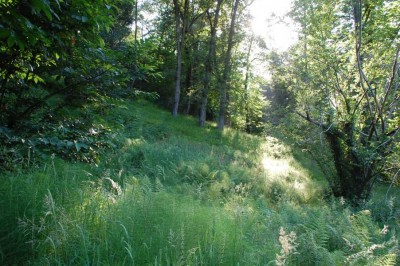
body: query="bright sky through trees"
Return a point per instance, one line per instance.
(278, 35)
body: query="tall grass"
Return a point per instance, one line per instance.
(173, 194)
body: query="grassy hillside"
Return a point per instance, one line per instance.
(170, 193)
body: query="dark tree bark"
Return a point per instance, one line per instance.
(246, 84)
(181, 21)
(227, 70)
(136, 20)
(209, 64)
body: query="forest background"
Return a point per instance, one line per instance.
(294, 168)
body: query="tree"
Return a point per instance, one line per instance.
(57, 54)
(210, 61)
(278, 89)
(247, 102)
(39, 41)
(181, 25)
(201, 59)
(227, 69)
(347, 83)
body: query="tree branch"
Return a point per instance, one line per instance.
(392, 78)
(308, 118)
(339, 89)
(68, 88)
(391, 184)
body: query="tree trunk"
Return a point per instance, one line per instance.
(189, 103)
(188, 80)
(227, 69)
(354, 170)
(246, 85)
(180, 29)
(136, 20)
(203, 108)
(209, 65)
(177, 82)
(354, 174)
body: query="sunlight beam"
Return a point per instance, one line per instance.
(279, 35)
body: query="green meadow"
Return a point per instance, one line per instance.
(169, 193)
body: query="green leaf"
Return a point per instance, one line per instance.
(47, 13)
(69, 144)
(79, 146)
(20, 43)
(4, 33)
(37, 79)
(80, 18)
(101, 42)
(36, 4)
(54, 140)
(54, 14)
(40, 5)
(11, 40)
(28, 24)
(45, 141)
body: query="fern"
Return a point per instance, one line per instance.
(319, 230)
(158, 185)
(361, 222)
(160, 172)
(387, 260)
(310, 253)
(370, 255)
(320, 241)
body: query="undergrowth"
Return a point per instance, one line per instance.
(168, 193)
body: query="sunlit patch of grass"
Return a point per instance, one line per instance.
(285, 177)
(276, 168)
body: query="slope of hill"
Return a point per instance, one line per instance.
(170, 193)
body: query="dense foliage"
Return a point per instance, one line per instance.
(57, 57)
(90, 173)
(343, 76)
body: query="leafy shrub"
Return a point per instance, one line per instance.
(71, 139)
